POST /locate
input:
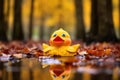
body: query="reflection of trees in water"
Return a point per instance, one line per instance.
(102, 76)
(96, 73)
(26, 69)
(1, 70)
(31, 69)
(16, 71)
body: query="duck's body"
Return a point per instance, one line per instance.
(60, 43)
(60, 51)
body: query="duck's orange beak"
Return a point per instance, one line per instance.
(58, 40)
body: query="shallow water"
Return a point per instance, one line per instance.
(59, 68)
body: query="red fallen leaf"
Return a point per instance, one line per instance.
(31, 44)
(0, 53)
(38, 53)
(15, 44)
(99, 52)
(12, 51)
(91, 51)
(5, 51)
(26, 50)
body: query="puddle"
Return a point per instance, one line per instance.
(59, 68)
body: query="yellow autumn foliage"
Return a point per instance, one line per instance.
(52, 11)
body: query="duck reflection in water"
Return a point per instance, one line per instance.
(60, 68)
(60, 71)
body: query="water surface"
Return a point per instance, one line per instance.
(59, 68)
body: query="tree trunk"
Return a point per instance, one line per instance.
(94, 22)
(8, 9)
(17, 27)
(3, 27)
(31, 20)
(102, 28)
(80, 28)
(7, 16)
(42, 26)
(106, 30)
(119, 20)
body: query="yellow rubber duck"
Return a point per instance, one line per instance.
(60, 42)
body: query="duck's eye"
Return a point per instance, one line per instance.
(54, 76)
(63, 35)
(54, 35)
(63, 76)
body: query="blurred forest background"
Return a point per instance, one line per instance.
(88, 20)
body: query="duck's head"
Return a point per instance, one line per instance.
(60, 38)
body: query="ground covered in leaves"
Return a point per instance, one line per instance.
(16, 49)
